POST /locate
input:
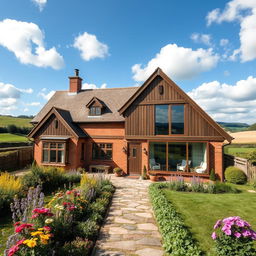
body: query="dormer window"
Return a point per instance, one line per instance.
(95, 111)
(96, 107)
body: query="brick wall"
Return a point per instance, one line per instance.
(216, 152)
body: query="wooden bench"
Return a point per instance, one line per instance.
(99, 167)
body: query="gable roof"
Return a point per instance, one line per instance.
(113, 98)
(159, 72)
(65, 117)
(95, 99)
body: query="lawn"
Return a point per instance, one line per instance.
(201, 211)
(19, 122)
(240, 150)
(8, 137)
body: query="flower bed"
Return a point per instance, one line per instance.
(67, 225)
(177, 240)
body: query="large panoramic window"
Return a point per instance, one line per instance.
(161, 120)
(177, 119)
(178, 156)
(53, 152)
(157, 156)
(169, 116)
(102, 151)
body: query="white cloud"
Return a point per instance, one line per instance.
(9, 97)
(225, 102)
(45, 95)
(40, 3)
(177, 62)
(93, 86)
(25, 110)
(201, 38)
(224, 42)
(26, 41)
(33, 104)
(89, 47)
(243, 11)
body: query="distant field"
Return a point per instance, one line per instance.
(239, 151)
(8, 137)
(248, 137)
(19, 122)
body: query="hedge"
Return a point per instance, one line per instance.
(177, 239)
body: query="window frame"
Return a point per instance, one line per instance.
(105, 149)
(93, 111)
(56, 149)
(170, 119)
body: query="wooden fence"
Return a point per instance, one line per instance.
(16, 158)
(243, 164)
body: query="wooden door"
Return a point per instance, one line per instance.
(134, 158)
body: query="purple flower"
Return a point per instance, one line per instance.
(214, 236)
(237, 234)
(227, 232)
(246, 233)
(217, 224)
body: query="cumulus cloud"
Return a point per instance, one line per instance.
(89, 47)
(26, 41)
(40, 3)
(224, 42)
(243, 11)
(9, 97)
(228, 102)
(93, 86)
(177, 62)
(201, 38)
(43, 93)
(33, 104)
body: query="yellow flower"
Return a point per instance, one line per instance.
(48, 221)
(36, 233)
(31, 243)
(45, 237)
(41, 229)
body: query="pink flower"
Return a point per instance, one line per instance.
(15, 248)
(214, 236)
(237, 234)
(68, 192)
(217, 224)
(34, 216)
(246, 233)
(20, 228)
(47, 228)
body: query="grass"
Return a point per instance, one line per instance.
(6, 229)
(201, 211)
(8, 137)
(19, 122)
(235, 151)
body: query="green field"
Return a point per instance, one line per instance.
(201, 211)
(19, 122)
(240, 150)
(8, 137)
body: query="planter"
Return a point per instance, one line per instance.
(153, 177)
(118, 174)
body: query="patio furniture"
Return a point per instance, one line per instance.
(201, 168)
(182, 166)
(154, 165)
(99, 167)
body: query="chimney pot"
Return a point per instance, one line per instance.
(77, 72)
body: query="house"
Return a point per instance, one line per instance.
(156, 125)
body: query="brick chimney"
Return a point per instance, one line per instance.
(75, 83)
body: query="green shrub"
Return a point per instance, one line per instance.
(178, 184)
(88, 229)
(220, 187)
(235, 175)
(252, 157)
(177, 239)
(117, 170)
(212, 175)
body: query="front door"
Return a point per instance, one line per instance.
(134, 158)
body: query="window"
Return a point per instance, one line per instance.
(178, 156)
(177, 119)
(95, 111)
(169, 119)
(161, 120)
(102, 151)
(53, 152)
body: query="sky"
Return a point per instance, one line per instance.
(207, 47)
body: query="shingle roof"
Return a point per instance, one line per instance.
(113, 98)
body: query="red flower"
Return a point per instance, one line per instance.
(47, 228)
(43, 211)
(34, 216)
(21, 227)
(15, 248)
(16, 224)
(68, 192)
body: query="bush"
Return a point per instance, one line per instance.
(88, 229)
(234, 236)
(212, 175)
(178, 184)
(235, 175)
(117, 170)
(252, 157)
(177, 239)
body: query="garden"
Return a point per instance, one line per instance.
(51, 212)
(213, 219)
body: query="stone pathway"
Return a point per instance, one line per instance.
(130, 228)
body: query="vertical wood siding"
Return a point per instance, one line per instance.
(139, 117)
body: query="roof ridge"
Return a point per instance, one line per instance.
(99, 89)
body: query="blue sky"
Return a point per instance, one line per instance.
(207, 47)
